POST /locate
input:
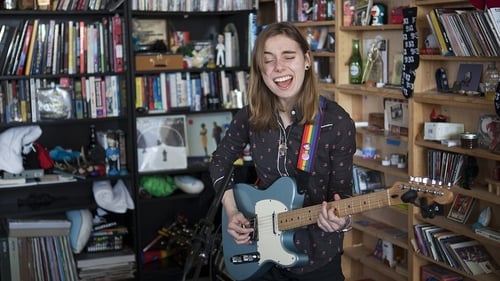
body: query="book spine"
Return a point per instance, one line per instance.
(118, 63)
(24, 50)
(78, 102)
(4, 258)
(99, 104)
(438, 32)
(15, 274)
(83, 46)
(139, 101)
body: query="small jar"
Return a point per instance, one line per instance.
(469, 140)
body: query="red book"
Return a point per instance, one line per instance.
(24, 51)
(117, 43)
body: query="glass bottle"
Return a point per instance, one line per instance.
(369, 151)
(490, 81)
(355, 64)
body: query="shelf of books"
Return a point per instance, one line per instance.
(190, 71)
(461, 238)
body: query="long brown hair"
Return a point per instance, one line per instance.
(261, 100)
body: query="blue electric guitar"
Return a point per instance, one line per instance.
(276, 212)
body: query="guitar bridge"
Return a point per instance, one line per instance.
(254, 234)
(245, 258)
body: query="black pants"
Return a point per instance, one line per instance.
(329, 272)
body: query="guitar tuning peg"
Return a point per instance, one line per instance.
(433, 182)
(418, 180)
(411, 179)
(425, 181)
(449, 185)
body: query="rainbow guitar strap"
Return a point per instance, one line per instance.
(310, 139)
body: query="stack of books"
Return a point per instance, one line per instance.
(109, 265)
(106, 237)
(456, 250)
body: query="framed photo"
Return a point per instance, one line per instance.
(461, 208)
(161, 143)
(396, 116)
(204, 132)
(362, 13)
(468, 77)
(147, 34)
(366, 180)
(397, 69)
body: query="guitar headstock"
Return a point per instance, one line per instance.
(409, 192)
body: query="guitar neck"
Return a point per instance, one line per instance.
(309, 215)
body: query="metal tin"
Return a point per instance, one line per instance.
(468, 140)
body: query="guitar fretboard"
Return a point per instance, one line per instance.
(309, 215)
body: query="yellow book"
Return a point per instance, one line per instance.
(439, 33)
(29, 57)
(139, 103)
(71, 48)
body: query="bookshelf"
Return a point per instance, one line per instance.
(460, 109)
(46, 82)
(209, 94)
(362, 102)
(92, 120)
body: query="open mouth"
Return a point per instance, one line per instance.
(283, 81)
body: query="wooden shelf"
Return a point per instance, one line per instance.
(362, 90)
(376, 165)
(364, 256)
(436, 98)
(315, 23)
(381, 231)
(373, 27)
(476, 152)
(482, 277)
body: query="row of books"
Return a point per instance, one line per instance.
(466, 31)
(107, 239)
(36, 250)
(79, 5)
(445, 166)
(165, 91)
(194, 5)
(304, 10)
(79, 98)
(454, 249)
(109, 265)
(66, 47)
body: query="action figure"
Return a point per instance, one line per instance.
(112, 154)
(220, 50)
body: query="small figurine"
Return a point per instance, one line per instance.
(112, 154)
(307, 10)
(220, 50)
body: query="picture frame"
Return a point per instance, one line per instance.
(202, 130)
(468, 77)
(147, 34)
(161, 143)
(362, 13)
(461, 208)
(397, 69)
(366, 180)
(396, 116)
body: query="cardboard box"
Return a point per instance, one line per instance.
(158, 61)
(442, 131)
